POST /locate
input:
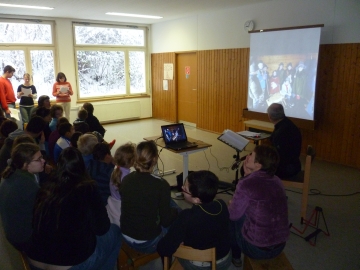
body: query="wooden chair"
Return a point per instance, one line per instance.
(25, 261)
(278, 263)
(188, 253)
(302, 181)
(130, 258)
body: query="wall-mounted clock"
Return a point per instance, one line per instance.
(249, 25)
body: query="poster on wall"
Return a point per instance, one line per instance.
(168, 71)
(187, 72)
(165, 85)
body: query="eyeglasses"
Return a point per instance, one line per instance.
(41, 158)
(183, 189)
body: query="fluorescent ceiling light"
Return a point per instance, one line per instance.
(133, 15)
(24, 6)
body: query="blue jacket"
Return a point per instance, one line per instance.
(61, 144)
(101, 173)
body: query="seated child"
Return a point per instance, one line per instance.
(92, 120)
(80, 124)
(74, 138)
(6, 128)
(146, 205)
(54, 136)
(86, 144)
(123, 159)
(66, 130)
(200, 189)
(100, 169)
(56, 111)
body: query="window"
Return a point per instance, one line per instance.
(111, 61)
(29, 48)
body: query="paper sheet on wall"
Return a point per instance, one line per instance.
(165, 85)
(168, 71)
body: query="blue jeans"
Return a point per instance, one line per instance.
(10, 105)
(239, 244)
(148, 246)
(105, 254)
(25, 113)
(106, 251)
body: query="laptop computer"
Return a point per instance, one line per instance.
(175, 138)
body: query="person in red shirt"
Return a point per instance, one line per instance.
(62, 90)
(7, 96)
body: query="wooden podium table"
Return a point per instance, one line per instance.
(261, 125)
(202, 146)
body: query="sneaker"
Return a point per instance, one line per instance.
(111, 144)
(237, 262)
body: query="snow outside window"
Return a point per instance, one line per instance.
(111, 61)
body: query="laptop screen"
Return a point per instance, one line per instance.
(174, 133)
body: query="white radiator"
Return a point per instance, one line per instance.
(113, 112)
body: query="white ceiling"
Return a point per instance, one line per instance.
(96, 9)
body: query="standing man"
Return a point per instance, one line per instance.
(286, 138)
(7, 95)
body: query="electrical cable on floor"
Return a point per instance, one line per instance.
(207, 160)
(157, 171)
(319, 193)
(217, 163)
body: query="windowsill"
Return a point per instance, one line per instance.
(83, 100)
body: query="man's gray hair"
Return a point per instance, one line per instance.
(276, 112)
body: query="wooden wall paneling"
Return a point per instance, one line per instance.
(164, 102)
(337, 90)
(348, 76)
(222, 95)
(323, 101)
(355, 101)
(226, 91)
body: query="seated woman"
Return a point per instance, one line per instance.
(200, 189)
(258, 209)
(18, 190)
(71, 226)
(145, 202)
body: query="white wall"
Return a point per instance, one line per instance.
(224, 29)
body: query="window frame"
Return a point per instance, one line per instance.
(110, 47)
(28, 47)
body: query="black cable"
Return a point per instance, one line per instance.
(217, 163)
(314, 192)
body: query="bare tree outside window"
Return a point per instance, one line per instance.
(110, 65)
(101, 73)
(25, 33)
(137, 72)
(29, 49)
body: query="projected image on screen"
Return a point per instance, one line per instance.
(282, 70)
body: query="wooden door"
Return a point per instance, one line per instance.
(186, 72)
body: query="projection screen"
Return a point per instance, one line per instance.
(282, 70)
